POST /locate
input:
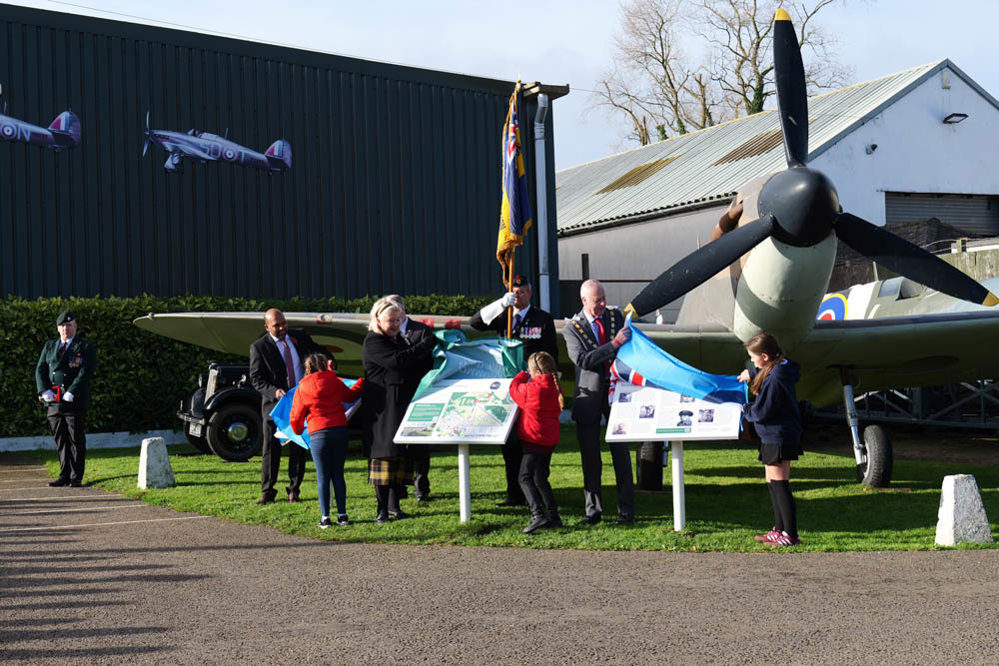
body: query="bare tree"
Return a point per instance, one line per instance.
(654, 81)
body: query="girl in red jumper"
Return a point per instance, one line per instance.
(320, 397)
(540, 400)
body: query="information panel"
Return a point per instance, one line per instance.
(471, 411)
(641, 413)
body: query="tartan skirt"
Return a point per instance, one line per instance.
(395, 471)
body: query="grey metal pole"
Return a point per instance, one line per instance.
(540, 171)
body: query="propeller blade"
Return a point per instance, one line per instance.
(147, 119)
(698, 266)
(909, 260)
(792, 102)
(145, 146)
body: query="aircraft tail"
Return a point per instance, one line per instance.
(279, 155)
(66, 129)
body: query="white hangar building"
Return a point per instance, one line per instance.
(916, 145)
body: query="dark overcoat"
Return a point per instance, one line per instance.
(71, 370)
(390, 368)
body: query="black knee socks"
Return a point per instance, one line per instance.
(784, 501)
(778, 518)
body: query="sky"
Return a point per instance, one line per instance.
(555, 42)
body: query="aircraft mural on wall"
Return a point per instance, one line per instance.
(767, 270)
(63, 132)
(205, 147)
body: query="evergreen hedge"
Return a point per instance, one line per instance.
(141, 377)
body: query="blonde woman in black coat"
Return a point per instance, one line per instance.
(390, 366)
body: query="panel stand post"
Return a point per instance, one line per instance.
(679, 503)
(464, 490)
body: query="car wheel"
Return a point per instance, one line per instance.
(234, 432)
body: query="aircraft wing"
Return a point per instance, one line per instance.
(186, 149)
(893, 352)
(879, 354)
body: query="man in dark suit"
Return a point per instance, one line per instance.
(592, 339)
(275, 367)
(536, 329)
(412, 332)
(62, 378)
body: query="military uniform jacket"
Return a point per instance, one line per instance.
(591, 360)
(536, 330)
(72, 370)
(267, 370)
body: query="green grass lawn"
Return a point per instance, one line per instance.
(727, 501)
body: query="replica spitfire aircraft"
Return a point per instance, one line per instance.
(767, 271)
(205, 147)
(64, 132)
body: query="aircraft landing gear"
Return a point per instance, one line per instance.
(874, 453)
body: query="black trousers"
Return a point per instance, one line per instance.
(589, 453)
(534, 471)
(419, 454)
(512, 452)
(270, 464)
(68, 430)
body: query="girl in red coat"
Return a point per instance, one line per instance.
(540, 400)
(320, 398)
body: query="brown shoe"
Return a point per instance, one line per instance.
(293, 497)
(265, 499)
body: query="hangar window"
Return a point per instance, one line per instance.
(637, 175)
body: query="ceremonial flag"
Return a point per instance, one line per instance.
(281, 415)
(515, 212)
(641, 361)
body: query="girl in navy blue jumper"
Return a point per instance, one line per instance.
(774, 412)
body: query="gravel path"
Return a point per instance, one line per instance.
(90, 577)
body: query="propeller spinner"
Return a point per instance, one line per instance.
(800, 207)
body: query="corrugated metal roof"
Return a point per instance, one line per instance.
(713, 163)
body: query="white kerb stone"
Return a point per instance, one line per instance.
(961, 518)
(154, 464)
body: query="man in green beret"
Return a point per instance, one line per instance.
(62, 377)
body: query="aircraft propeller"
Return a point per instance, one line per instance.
(147, 131)
(800, 207)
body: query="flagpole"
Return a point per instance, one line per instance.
(509, 288)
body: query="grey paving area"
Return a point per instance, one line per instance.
(90, 577)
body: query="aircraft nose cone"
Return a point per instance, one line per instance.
(805, 204)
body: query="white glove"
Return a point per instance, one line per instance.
(495, 309)
(67, 397)
(47, 396)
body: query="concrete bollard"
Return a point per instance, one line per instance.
(154, 464)
(961, 518)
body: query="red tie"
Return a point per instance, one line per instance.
(603, 332)
(289, 364)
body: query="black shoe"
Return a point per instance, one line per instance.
(625, 520)
(590, 520)
(537, 522)
(381, 518)
(398, 515)
(294, 497)
(554, 520)
(512, 502)
(342, 520)
(324, 523)
(265, 499)
(423, 497)
(59, 483)
(75, 484)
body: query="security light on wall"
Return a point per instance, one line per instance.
(954, 118)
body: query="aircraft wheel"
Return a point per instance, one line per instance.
(876, 472)
(235, 433)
